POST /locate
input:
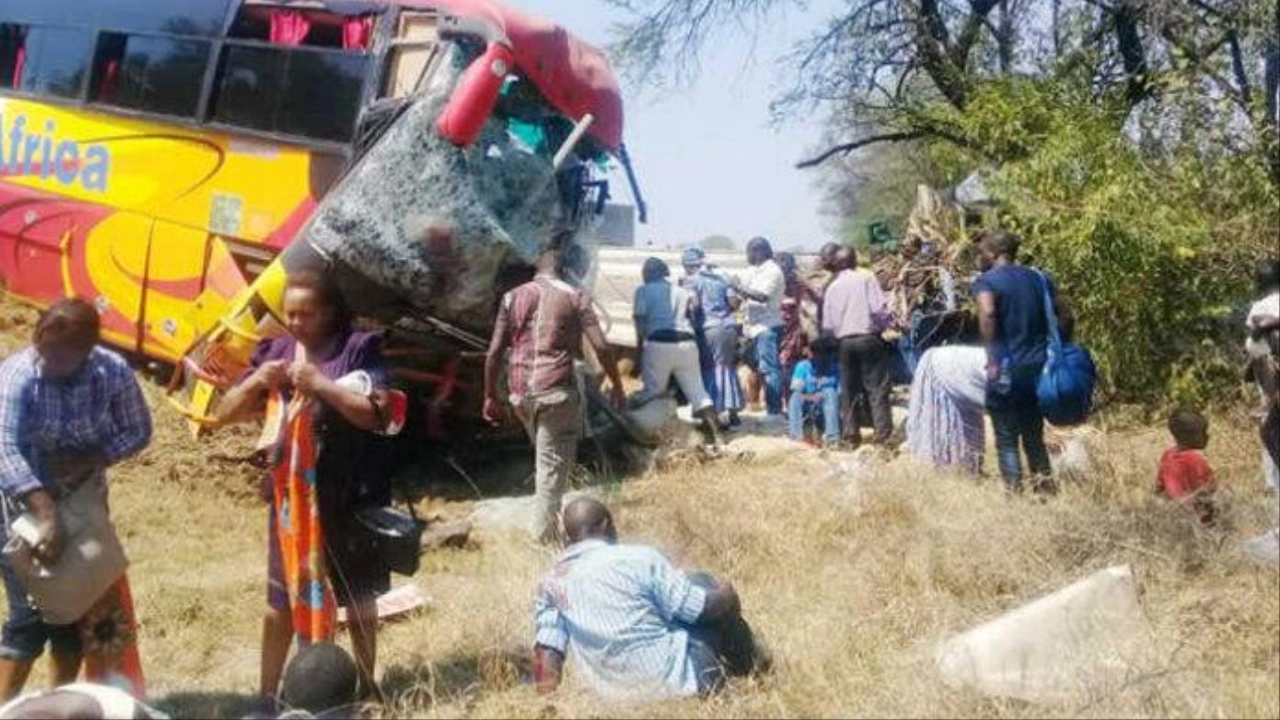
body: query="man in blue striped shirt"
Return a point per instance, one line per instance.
(637, 627)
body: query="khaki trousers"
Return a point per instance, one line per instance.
(554, 424)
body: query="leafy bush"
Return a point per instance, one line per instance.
(1152, 246)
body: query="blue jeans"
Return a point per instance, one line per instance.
(1019, 425)
(828, 408)
(769, 364)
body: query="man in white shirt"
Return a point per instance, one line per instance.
(763, 284)
(1264, 320)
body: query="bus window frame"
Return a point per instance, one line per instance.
(379, 54)
(201, 120)
(85, 81)
(106, 106)
(388, 57)
(372, 62)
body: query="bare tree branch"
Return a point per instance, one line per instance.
(846, 148)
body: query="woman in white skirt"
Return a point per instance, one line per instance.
(945, 423)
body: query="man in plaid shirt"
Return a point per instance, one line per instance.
(543, 322)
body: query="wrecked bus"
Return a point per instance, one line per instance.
(173, 161)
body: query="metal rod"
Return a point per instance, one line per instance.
(642, 210)
(574, 138)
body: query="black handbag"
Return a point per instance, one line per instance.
(395, 535)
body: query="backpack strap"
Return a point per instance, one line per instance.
(1051, 317)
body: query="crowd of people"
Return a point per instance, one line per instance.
(823, 348)
(829, 347)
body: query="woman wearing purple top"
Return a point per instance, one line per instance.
(319, 444)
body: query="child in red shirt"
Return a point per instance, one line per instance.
(1185, 475)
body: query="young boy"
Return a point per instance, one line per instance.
(815, 386)
(1185, 475)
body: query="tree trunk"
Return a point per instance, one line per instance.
(1005, 39)
(1057, 28)
(1132, 52)
(1271, 123)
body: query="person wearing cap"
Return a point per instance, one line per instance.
(665, 342)
(720, 328)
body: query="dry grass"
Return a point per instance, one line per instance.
(848, 582)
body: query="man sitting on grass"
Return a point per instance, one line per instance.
(638, 627)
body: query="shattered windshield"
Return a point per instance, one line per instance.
(499, 196)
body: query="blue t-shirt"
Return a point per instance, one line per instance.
(1023, 332)
(809, 380)
(659, 305)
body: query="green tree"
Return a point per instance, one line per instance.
(1133, 143)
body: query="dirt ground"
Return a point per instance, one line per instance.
(848, 577)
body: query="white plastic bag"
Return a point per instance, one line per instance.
(1075, 641)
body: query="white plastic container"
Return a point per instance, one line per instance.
(1063, 647)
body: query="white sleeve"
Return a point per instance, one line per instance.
(775, 281)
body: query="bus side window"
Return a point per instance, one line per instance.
(291, 91)
(152, 74)
(12, 52)
(57, 61)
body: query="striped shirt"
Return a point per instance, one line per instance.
(543, 322)
(619, 612)
(101, 409)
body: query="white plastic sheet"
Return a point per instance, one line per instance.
(1063, 647)
(1264, 548)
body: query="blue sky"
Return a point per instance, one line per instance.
(707, 160)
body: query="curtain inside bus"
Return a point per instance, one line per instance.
(19, 37)
(289, 27)
(110, 80)
(356, 32)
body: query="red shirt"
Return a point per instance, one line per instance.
(1183, 472)
(543, 320)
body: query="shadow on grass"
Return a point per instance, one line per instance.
(424, 683)
(206, 704)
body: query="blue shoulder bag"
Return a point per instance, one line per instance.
(1065, 389)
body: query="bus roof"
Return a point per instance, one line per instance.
(573, 75)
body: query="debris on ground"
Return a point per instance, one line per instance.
(396, 603)
(452, 535)
(1265, 548)
(512, 513)
(657, 422)
(1089, 635)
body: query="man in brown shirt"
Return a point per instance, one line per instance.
(543, 322)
